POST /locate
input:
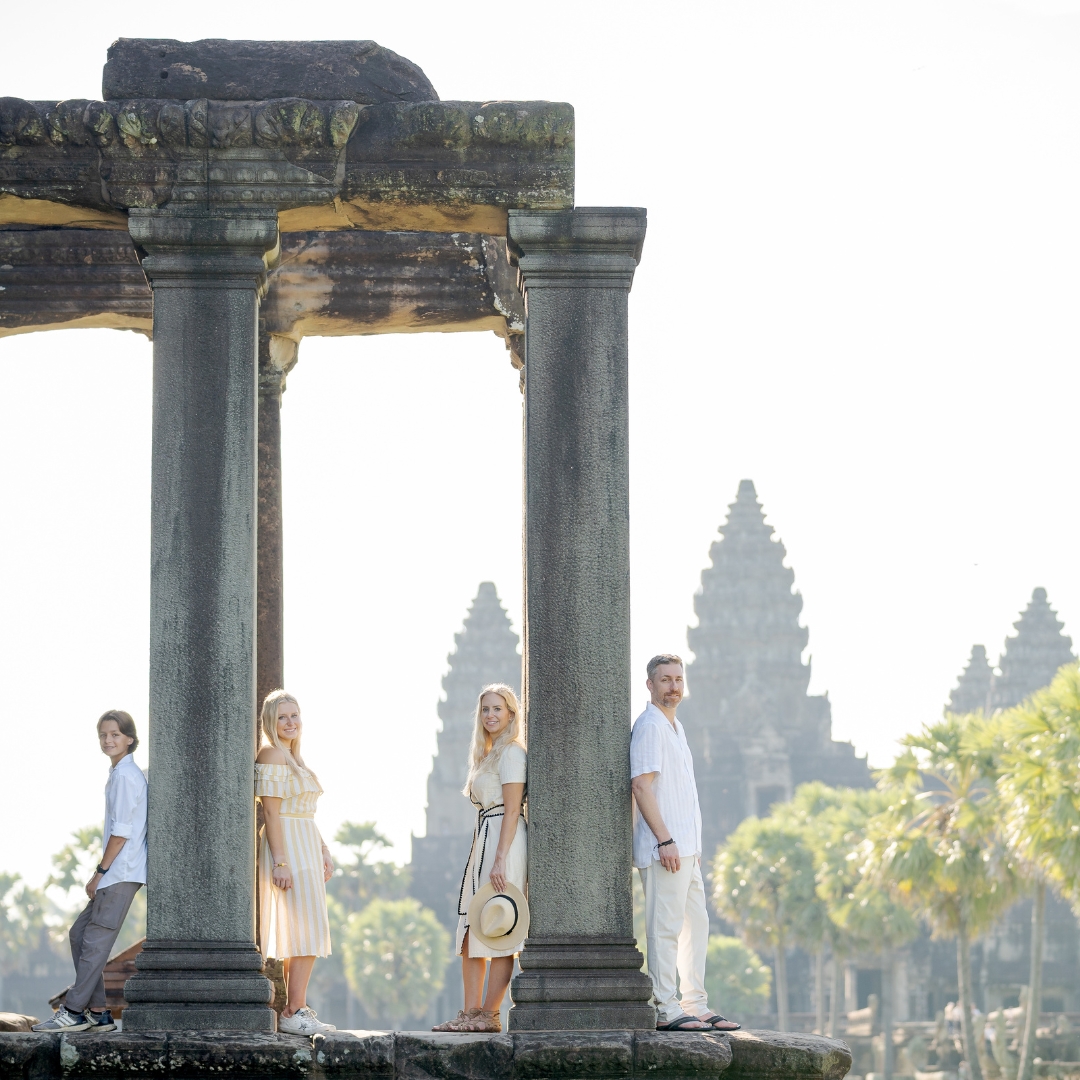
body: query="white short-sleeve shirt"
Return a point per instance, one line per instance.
(657, 747)
(125, 815)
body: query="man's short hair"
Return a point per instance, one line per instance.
(124, 723)
(664, 658)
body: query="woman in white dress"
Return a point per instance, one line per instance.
(496, 787)
(294, 862)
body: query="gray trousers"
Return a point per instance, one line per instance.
(92, 937)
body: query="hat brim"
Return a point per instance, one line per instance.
(511, 942)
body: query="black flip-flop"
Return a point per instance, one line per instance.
(719, 1023)
(680, 1022)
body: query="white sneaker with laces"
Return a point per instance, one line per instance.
(303, 1022)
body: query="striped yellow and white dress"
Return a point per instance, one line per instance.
(293, 922)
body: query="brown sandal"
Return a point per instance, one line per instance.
(489, 1023)
(461, 1022)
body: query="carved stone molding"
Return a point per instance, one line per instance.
(429, 165)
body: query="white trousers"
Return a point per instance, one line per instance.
(677, 934)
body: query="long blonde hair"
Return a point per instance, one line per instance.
(269, 719)
(485, 754)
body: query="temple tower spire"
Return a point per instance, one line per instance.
(1032, 657)
(755, 732)
(973, 689)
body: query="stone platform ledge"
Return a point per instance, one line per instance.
(422, 1055)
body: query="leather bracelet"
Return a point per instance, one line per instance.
(666, 842)
(102, 869)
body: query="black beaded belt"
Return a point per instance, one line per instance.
(483, 821)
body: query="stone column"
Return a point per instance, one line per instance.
(580, 966)
(200, 968)
(277, 356)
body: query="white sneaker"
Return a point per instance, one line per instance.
(303, 1022)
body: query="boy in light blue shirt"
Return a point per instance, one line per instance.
(117, 878)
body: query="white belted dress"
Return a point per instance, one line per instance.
(487, 796)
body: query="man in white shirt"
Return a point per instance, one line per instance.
(667, 853)
(118, 877)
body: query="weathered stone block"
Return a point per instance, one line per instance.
(663, 1054)
(416, 1055)
(540, 1055)
(421, 1054)
(355, 1053)
(761, 1055)
(114, 1053)
(251, 1054)
(359, 71)
(28, 1055)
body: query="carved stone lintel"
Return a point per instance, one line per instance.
(350, 282)
(430, 165)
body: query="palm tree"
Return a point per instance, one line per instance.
(865, 917)
(821, 935)
(1039, 786)
(937, 845)
(764, 883)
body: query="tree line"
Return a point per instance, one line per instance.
(974, 813)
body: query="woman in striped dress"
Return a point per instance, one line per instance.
(496, 787)
(294, 862)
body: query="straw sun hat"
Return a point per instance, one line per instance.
(499, 920)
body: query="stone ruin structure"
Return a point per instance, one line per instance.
(755, 732)
(228, 199)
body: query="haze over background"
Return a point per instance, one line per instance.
(859, 289)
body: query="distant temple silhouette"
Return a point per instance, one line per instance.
(1030, 660)
(755, 732)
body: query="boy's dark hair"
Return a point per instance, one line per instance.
(124, 723)
(664, 658)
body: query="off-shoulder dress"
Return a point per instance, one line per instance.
(293, 922)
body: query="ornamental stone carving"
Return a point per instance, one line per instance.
(421, 165)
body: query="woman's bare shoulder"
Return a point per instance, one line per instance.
(271, 755)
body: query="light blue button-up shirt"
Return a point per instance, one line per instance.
(125, 815)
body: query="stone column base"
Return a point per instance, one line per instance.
(199, 987)
(581, 984)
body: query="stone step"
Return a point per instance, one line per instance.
(418, 1055)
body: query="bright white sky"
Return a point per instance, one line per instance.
(859, 289)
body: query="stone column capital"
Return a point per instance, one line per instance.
(587, 247)
(226, 249)
(277, 357)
